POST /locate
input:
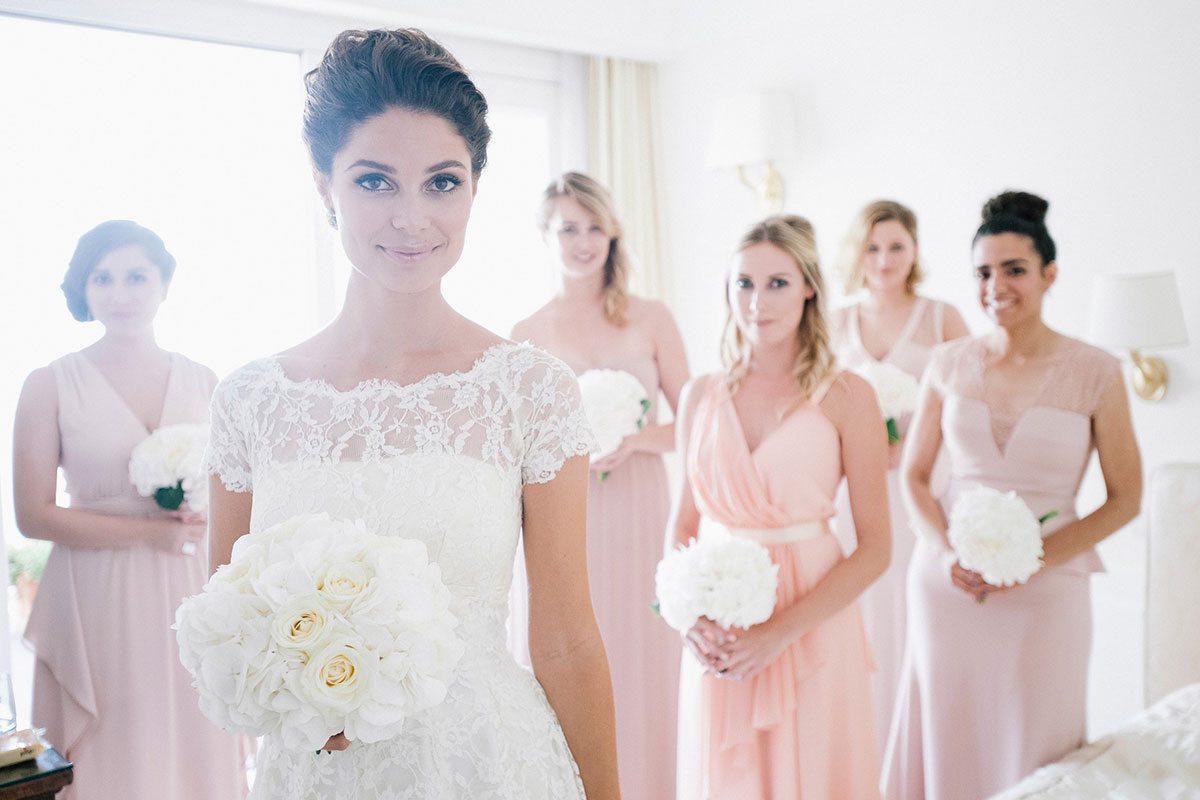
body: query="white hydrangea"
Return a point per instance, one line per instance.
(895, 390)
(995, 534)
(728, 579)
(615, 403)
(168, 465)
(319, 626)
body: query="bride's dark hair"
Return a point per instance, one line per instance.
(365, 73)
(1021, 213)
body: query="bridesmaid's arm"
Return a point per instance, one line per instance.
(1121, 465)
(36, 452)
(921, 448)
(564, 641)
(853, 409)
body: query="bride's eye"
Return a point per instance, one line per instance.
(445, 182)
(374, 182)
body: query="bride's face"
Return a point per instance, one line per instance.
(401, 190)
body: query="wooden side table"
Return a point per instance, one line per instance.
(38, 779)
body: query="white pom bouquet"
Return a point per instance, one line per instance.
(728, 579)
(896, 391)
(318, 626)
(168, 465)
(616, 404)
(995, 534)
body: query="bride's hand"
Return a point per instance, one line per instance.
(336, 742)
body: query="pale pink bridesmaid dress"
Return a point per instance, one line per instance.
(626, 519)
(108, 684)
(882, 604)
(802, 728)
(992, 691)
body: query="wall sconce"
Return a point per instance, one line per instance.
(1130, 312)
(751, 131)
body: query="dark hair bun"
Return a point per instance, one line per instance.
(1016, 204)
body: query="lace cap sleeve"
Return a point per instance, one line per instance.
(554, 426)
(228, 453)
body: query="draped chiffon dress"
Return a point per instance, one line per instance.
(883, 605)
(991, 691)
(801, 728)
(108, 685)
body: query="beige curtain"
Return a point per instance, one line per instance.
(623, 154)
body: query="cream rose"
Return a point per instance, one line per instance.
(339, 677)
(302, 624)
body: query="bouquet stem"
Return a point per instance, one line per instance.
(170, 497)
(892, 431)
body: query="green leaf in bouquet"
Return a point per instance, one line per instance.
(892, 431)
(604, 475)
(169, 497)
(656, 608)
(1044, 518)
(645, 411)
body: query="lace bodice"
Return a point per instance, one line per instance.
(442, 460)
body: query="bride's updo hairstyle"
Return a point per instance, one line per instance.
(815, 360)
(365, 73)
(1022, 213)
(596, 200)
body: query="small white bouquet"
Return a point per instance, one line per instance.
(168, 465)
(995, 534)
(318, 626)
(616, 404)
(896, 391)
(726, 578)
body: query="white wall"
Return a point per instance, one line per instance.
(1093, 105)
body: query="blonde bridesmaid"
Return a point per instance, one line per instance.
(993, 690)
(593, 322)
(889, 323)
(108, 686)
(782, 709)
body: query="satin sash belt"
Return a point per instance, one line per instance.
(772, 536)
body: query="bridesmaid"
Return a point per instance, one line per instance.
(108, 686)
(890, 324)
(991, 691)
(782, 710)
(594, 323)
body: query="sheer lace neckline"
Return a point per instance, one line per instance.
(371, 385)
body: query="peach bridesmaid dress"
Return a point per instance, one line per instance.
(992, 691)
(626, 517)
(802, 727)
(108, 685)
(882, 603)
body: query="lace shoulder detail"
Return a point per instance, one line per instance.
(1086, 374)
(945, 371)
(231, 416)
(554, 425)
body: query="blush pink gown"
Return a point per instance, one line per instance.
(626, 521)
(992, 691)
(882, 604)
(802, 727)
(108, 685)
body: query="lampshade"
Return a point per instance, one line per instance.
(1136, 311)
(752, 127)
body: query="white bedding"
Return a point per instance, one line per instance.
(1154, 755)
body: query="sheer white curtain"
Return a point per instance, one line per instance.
(624, 154)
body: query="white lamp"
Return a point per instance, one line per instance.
(1130, 312)
(751, 131)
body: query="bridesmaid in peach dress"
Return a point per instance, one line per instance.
(108, 685)
(594, 323)
(993, 690)
(890, 324)
(782, 709)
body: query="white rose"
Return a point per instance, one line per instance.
(302, 623)
(339, 677)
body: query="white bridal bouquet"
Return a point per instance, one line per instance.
(169, 466)
(318, 626)
(616, 404)
(726, 578)
(995, 534)
(896, 391)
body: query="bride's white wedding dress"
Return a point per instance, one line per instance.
(442, 460)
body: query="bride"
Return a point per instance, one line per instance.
(407, 415)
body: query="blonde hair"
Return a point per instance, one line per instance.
(854, 245)
(596, 200)
(815, 360)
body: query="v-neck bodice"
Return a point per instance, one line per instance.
(789, 478)
(98, 430)
(1047, 446)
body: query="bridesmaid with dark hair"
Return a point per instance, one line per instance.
(108, 686)
(994, 689)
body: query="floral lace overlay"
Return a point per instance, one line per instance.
(442, 460)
